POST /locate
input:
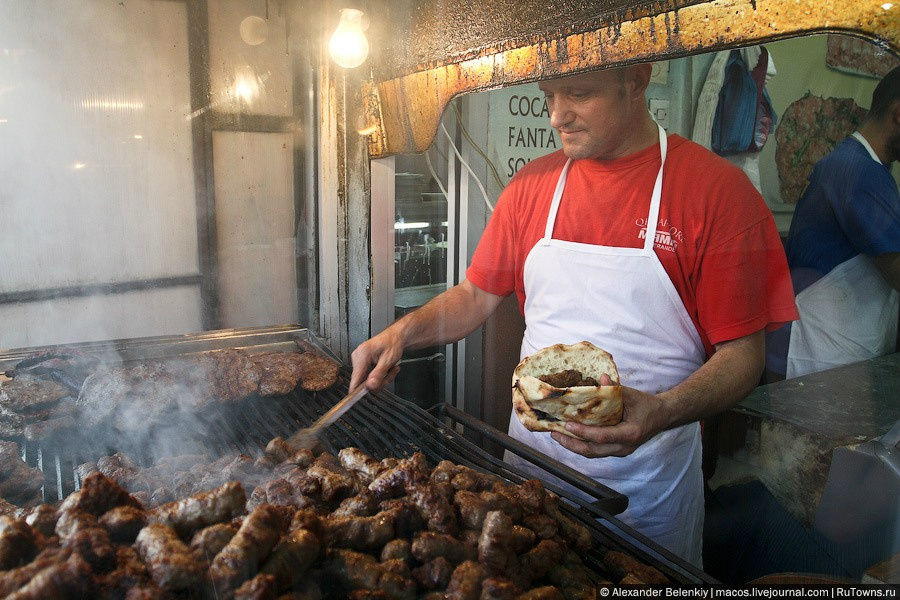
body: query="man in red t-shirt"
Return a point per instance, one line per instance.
(646, 245)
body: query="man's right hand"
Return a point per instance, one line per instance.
(375, 360)
(447, 317)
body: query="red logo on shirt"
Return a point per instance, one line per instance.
(667, 236)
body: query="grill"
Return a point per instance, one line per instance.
(381, 425)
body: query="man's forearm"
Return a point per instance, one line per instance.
(723, 381)
(717, 385)
(889, 265)
(446, 318)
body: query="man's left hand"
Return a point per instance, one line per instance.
(720, 383)
(641, 420)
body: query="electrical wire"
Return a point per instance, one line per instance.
(437, 148)
(468, 168)
(478, 149)
(435, 175)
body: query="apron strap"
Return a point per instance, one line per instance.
(653, 218)
(554, 204)
(859, 138)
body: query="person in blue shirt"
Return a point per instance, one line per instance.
(843, 249)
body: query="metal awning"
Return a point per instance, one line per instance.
(427, 52)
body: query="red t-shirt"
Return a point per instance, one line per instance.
(715, 238)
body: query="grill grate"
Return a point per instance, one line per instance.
(381, 425)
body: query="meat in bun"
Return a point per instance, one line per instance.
(562, 383)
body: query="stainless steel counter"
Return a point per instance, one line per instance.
(860, 401)
(255, 339)
(786, 434)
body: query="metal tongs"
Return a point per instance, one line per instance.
(307, 438)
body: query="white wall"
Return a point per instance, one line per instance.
(255, 228)
(96, 173)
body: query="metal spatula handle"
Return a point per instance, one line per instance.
(306, 438)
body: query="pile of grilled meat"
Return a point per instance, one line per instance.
(58, 392)
(314, 526)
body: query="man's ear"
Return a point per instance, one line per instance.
(637, 78)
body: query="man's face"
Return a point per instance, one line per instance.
(591, 112)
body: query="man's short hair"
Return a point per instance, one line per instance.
(886, 92)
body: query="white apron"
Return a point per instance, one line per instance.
(847, 316)
(622, 300)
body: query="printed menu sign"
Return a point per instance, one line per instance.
(519, 128)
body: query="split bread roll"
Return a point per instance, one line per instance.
(542, 407)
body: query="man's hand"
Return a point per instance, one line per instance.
(639, 424)
(380, 354)
(729, 375)
(447, 317)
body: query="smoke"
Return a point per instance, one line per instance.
(159, 408)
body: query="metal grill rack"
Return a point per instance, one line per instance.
(381, 425)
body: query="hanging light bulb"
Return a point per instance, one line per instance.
(348, 45)
(254, 30)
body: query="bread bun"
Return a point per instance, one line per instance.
(543, 407)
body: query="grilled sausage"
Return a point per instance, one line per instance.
(171, 564)
(200, 510)
(250, 546)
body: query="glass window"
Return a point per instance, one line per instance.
(154, 172)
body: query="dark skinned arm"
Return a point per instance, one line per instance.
(889, 265)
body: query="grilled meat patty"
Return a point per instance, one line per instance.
(317, 372)
(279, 372)
(138, 396)
(26, 395)
(19, 483)
(152, 391)
(233, 374)
(568, 378)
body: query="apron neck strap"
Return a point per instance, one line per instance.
(554, 204)
(859, 138)
(653, 218)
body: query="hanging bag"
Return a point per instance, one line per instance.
(744, 115)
